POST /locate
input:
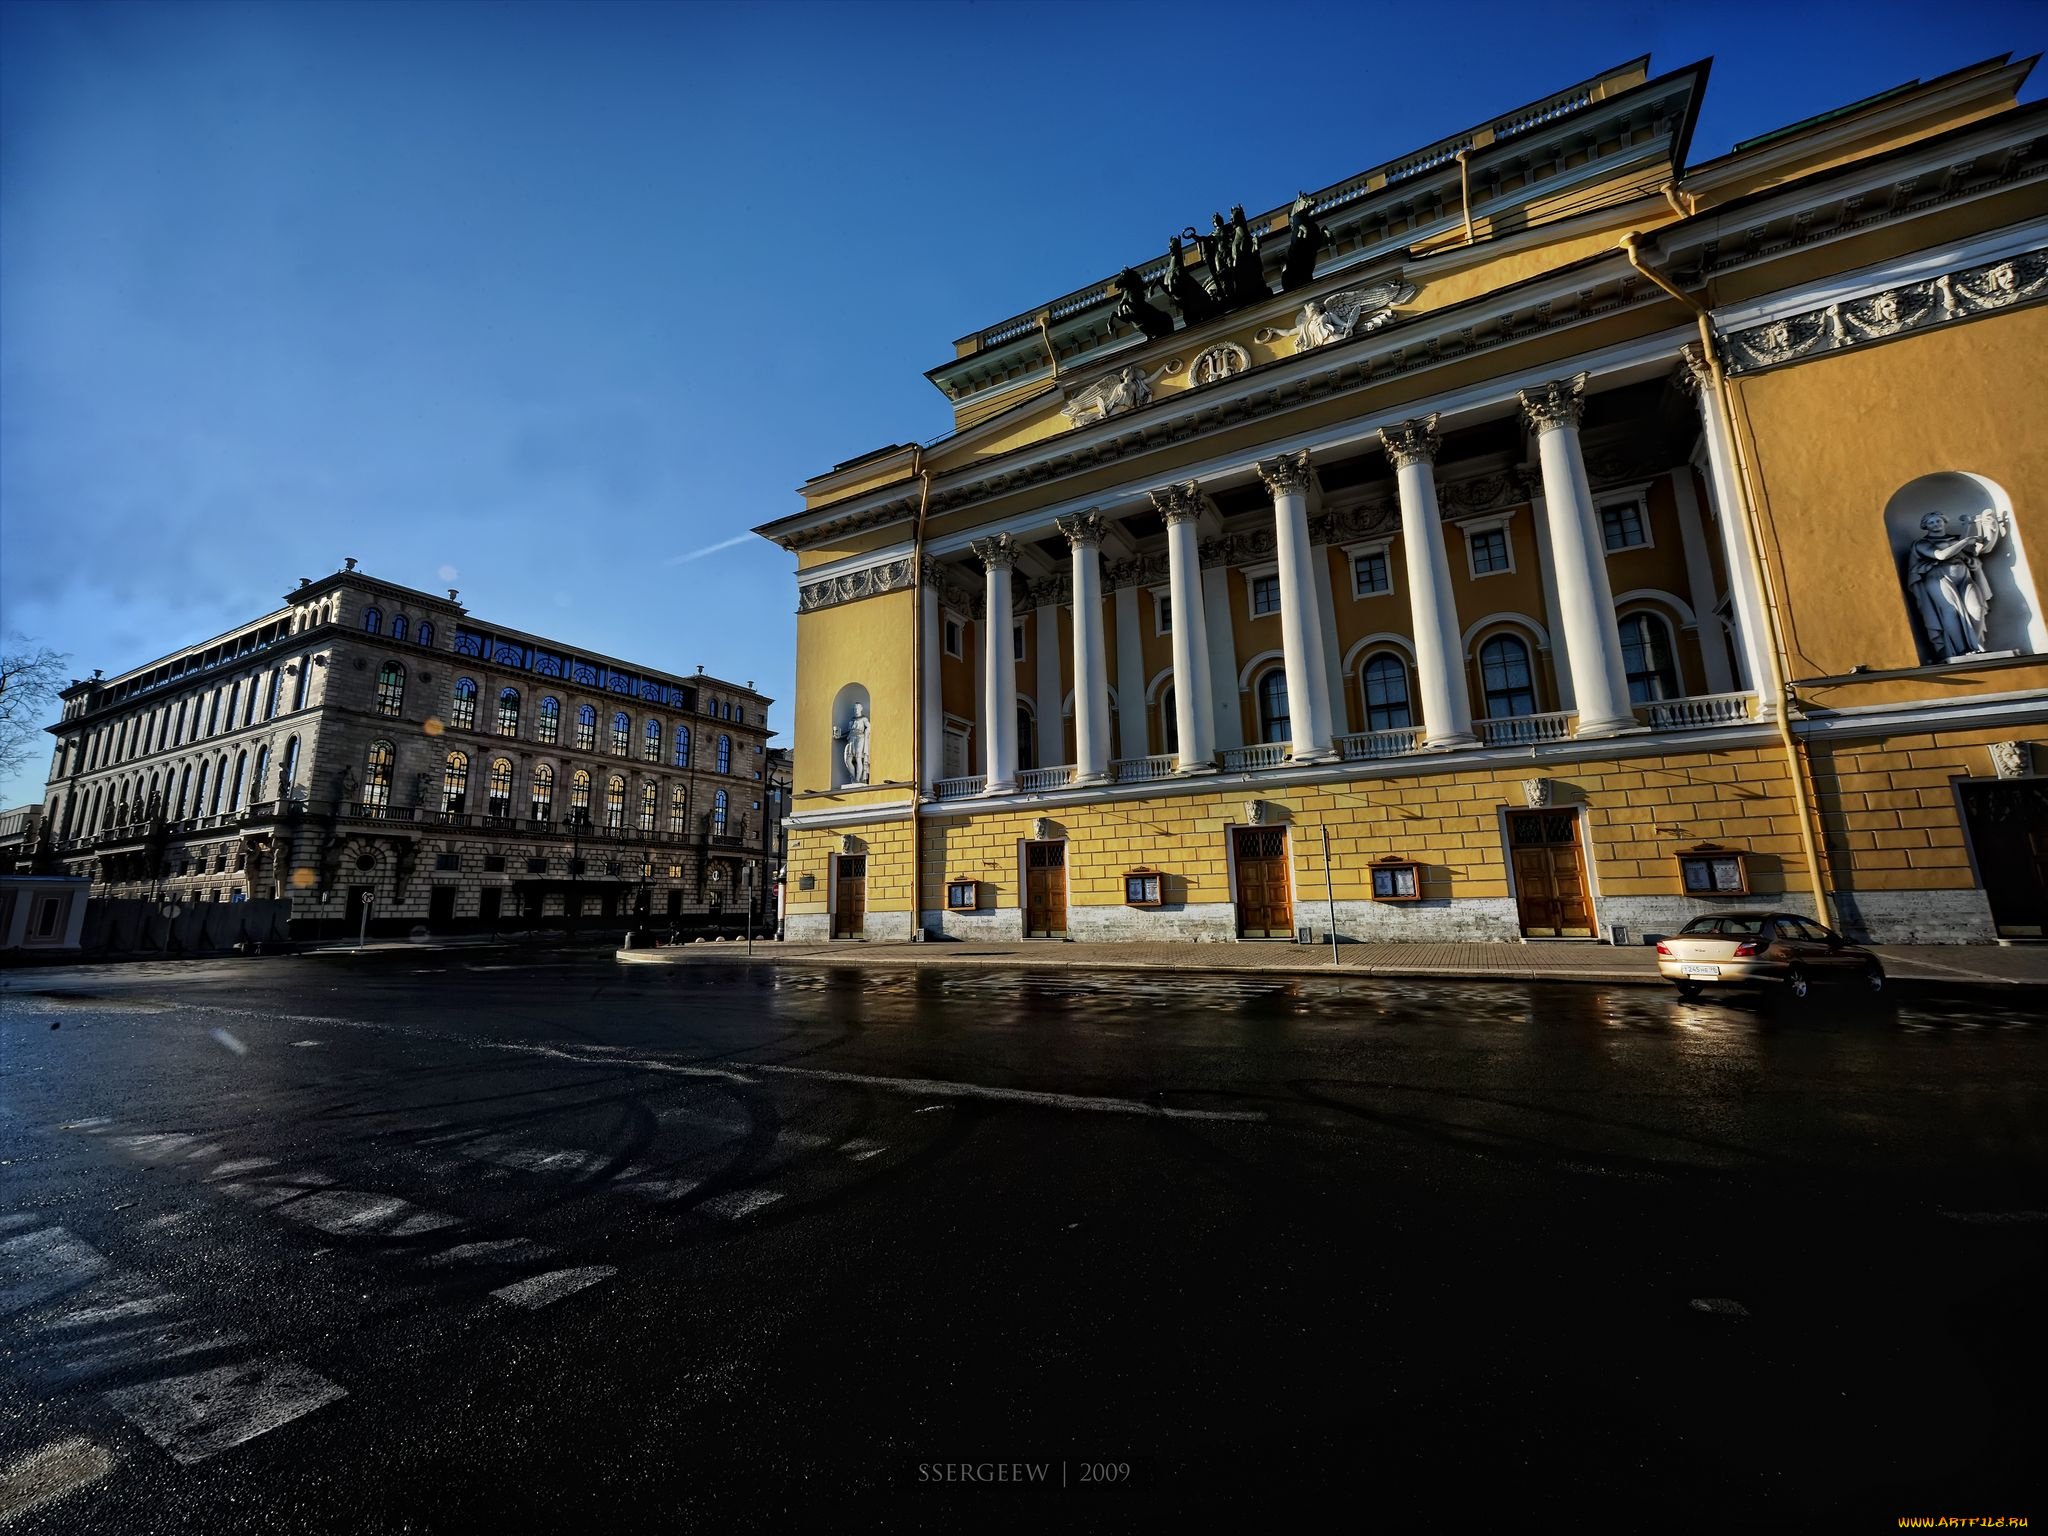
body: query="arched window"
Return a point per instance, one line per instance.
(622, 734)
(304, 682)
(373, 621)
(650, 744)
(178, 731)
(391, 689)
(220, 784)
(398, 626)
(1385, 680)
(682, 746)
(154, 803)
(615, 802)
(548, 725)
(725, 754)
(1027, 737)
(508, 712)
(1275, 723)
(1648, 659)
(543, 793)
(288, 770)
(1169, 720)
(260, 786)
(462, 713)
(650, 805)
(426, 635)
(678, 808)
(579, 794)
(213, 712)
(377, 778)
(1504, 675)
(241, 781)
(718, 804)
(185, 793)
(455, 783)
(501, 787)
(270, 705)
(586, 728)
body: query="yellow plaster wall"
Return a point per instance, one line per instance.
(1888, 810)
(867, 642)
(887, 847)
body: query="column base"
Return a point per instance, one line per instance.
(1596, 730)
(1313, 756)
(999, 789)
(1087, 780)
(1192, 770)
(1456, 742)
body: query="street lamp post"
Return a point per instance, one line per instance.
(578, 819)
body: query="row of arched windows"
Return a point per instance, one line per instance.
(373, 624)
(501, 788)
(228, 707)
(548, 722)
(208, 786)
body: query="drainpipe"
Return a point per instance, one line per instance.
(1052, 355)
(918, 765)
(1774, 650)
(1465, 192)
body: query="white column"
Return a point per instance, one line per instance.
(1333, 650)
(1725, 495)
(1226, 719)
(1433, 613)
(1699, 576)
(998, 667)
(1134, 731)
(931, 706)
(1585, 600)
(1050, 686)
(1091, 657)
(1558, 653)
(1194, 713)
(1301, 627)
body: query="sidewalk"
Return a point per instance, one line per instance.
(1956, 964)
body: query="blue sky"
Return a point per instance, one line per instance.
(551, 303)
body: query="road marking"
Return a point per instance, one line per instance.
(538, 1290)
(741, 1202)
(649, 1187)
(938, 1088)
(236, 1165)
(1719, 1306)
(502, 1152)
(96, 1125)
(350, 1213)
(307, 1044)
(19, 1219)
(38, 1265)
(230, 1042)
(860, 1149)
(47, 1474)
(120, 1298)
(497, 1250)
(201, 1415)
(1996, 1218)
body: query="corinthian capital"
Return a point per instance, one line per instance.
(1178, 503)
(1695, 373)
(1413, 441)
(1083, 529)
(1289, 472)
(1559, 403)
(999, 552)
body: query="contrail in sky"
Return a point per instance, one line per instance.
(708, 549)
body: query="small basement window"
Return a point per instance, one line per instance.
(1711, 870)
(1144, 888)
(963, 895)
(1396, 879)
(447, 861)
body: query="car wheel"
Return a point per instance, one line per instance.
(1796, 984)
(1689, 989)
(1873, 978)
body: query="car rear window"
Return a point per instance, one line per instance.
(1736, 925)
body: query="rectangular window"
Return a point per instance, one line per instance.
(953, 638)
(536, 866)
(1621, 526)
(1162, 606)
(494, 864)
(1265, 595)
(1369, 575)
(1017, 643)
(447, 861)
(1490, 552)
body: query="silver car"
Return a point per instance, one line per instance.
(1765, 949)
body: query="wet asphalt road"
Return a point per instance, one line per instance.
(428, 1244)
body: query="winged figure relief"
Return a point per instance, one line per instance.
(1348, 312)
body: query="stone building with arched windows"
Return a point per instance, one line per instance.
(372, 744)
(1540, 535)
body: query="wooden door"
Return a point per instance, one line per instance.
(490, 904)
(1045, 890)
(441, 909)
(2009, 833)
(1550, 875)
(1265, 895)
(850, 899)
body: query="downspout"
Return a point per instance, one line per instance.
(1052, 356)
(1774, 649)
(1465, 192)
(918, 765)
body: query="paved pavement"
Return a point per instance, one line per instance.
(1955, 964)
(458, 1240)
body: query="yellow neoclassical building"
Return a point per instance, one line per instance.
(1534, 537)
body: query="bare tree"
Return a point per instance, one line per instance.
(30, 678)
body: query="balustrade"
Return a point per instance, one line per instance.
(1527, 730)
(1369, 746)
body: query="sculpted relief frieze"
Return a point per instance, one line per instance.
(892, 576)
(1909, 307)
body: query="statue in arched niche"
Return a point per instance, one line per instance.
(855, 751)
(1951, 593)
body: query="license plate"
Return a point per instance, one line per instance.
(1699, 970)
